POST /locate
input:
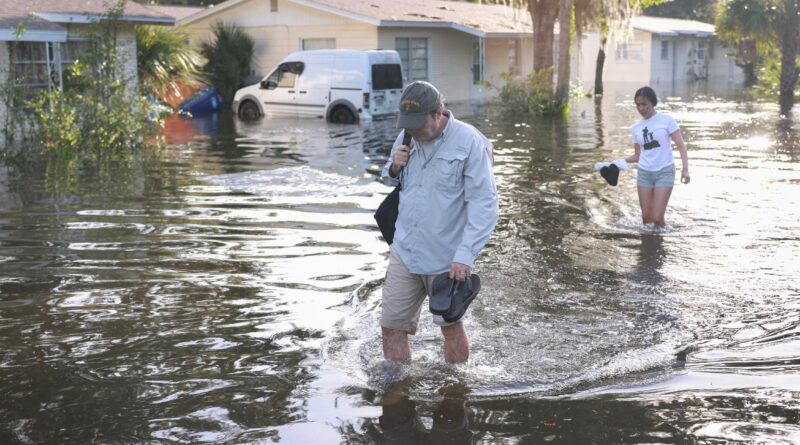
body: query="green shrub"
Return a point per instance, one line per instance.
(531, 95)
(164, 59)
(229, 56)
(97, 115)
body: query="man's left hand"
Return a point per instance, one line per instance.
(460, 272)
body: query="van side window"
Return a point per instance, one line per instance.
(387, 76)
(284, 79)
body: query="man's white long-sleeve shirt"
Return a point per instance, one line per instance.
(448, 204)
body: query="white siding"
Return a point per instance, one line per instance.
(498, 61)
(584, 61)
(277, 34)
(636, 68)
(449, 58)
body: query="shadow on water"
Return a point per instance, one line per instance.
(227, 290)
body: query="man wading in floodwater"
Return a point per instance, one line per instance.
(448, 210)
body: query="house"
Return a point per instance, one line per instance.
(454, 45)
(669, 54)
(39, 38)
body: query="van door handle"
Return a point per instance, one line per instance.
(291, 91)
(302, 92)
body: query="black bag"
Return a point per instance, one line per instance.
(386, 215)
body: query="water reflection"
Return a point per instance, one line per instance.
(400, 421)
(651, 258)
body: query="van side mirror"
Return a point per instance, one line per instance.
(268, 85)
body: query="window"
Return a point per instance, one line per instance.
(283, 79)
(273, 5)
(629, 52)
(476, 62)
(664, 50)
(414, 55)
(309, 44)
(387, 76)
(71, 52)
(701, 50)
(513, 56)
(30, 64)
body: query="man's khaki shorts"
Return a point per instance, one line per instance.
(403, 295)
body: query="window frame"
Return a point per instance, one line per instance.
(406, 57)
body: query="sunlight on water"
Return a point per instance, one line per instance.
(230, 292)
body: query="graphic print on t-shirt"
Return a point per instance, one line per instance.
(649, 142)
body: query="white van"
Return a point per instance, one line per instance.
(342, 86)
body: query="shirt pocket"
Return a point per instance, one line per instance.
(450, 168)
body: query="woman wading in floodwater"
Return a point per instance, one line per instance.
(655, 176)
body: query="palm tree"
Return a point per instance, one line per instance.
(767, 23)
(165, 59)
(229, 56)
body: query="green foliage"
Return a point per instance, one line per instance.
(700, 10)
(764, 32)
(96, 116)
(164, 59)
(530, 96)
(229, 56)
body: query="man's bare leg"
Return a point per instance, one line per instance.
(456, 343)
(395, 345)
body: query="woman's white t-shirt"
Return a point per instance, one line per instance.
(653, 136)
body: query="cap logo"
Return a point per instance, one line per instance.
(410, 106)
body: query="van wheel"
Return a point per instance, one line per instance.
(248, 111)
(342, 115)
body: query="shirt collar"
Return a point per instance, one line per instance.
(450, 119)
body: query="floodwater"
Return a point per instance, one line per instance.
(227, 291)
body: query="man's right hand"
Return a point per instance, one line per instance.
(400, 158)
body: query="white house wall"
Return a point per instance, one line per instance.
(583, 61)
(632, 70)
(277, 34)
(498, 61)
(722, 66)
(449, 57)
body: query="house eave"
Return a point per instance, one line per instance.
(507, 35)
(439, 25)
(211, 10)
(339, 12)
(94, 18)
(33, 35)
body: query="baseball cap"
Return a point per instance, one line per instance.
(418, 100)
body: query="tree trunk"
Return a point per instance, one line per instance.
(598, 70)
(564, 27)
(543, 16)
(789, 40)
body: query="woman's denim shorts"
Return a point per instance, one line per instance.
(661, 178)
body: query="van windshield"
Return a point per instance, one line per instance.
(387, 76)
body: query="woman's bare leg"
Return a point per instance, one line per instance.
(646, 203)
(659, 205)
